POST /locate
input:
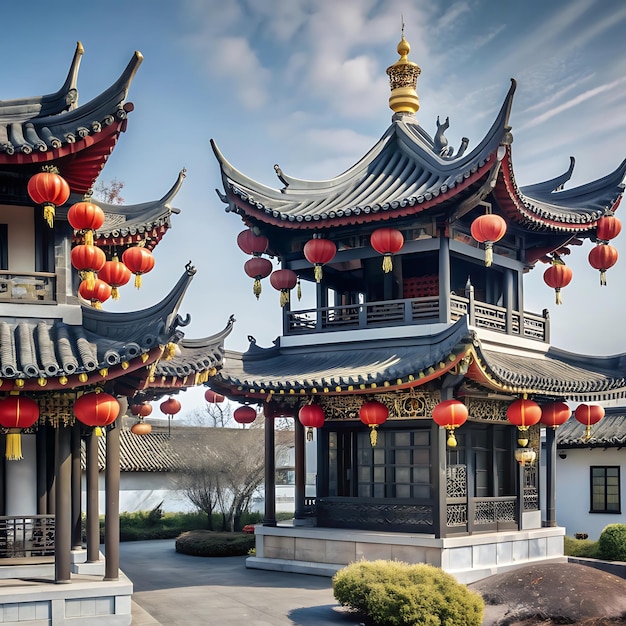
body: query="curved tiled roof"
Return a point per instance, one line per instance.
(50, 354)
(554, 373)
(78, 139)
(609, 432)
(349, 367)
(401, 175)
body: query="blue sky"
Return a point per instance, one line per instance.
(302, 83)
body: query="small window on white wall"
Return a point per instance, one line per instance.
(605, 489)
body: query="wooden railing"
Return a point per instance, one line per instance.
(416, 311)
(27, 287)
(23, 537)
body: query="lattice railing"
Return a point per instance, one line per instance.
(26, 536)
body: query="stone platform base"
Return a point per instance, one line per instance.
(322, 551)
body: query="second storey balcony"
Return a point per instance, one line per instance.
(28, 287)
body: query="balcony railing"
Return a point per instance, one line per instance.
(27, 287)
(416, 311)
(23, 537)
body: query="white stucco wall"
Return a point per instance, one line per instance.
(573, 490)
(21, 232)
(21, 480)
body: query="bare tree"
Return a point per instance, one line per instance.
(109, 191)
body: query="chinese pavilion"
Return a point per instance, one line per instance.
(419, 335)
(67, 367)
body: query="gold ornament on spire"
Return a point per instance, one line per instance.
(403, 81)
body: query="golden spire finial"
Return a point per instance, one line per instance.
(403, 80)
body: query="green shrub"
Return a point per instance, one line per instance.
(211, 543)
(392, 593)
(612, 543)
(580, 547)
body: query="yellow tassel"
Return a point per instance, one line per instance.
(451, 439)
(318, 273)
(284, 297)
(256, 288)
(89, 237)
(387, 264)
(90, 279)
(488, 254)
(14, 445)
(115, 293)
(97, 431)
(559, 300)
(309, 434)
(602, 277)
(373, 434)
(48, 214)
(96, 305)
(299, 292)
(138, 281)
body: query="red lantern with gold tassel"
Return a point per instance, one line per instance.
(212, 397)
(602, 258)
(85, 217)
(17, 413)
(258, 268)
(608, 227)
(244, 415)
(283, 281)
(99, 293)
(141, 428)
(96, 409)
(557, 276)
(116, 274)
(488, 229)
(142, 410)
(387, 241)
(251, 243)
(311, 416)
(450, 414)
(523, 413)
(139, 261)
(319, 251)
(373, 414)
(588, 415)
(555, 414)
(49, 189)
(170, 407)
(88, 260)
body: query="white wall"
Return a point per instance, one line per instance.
(20, 223)
(21, 480)
(573, 496)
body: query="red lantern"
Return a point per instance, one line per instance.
(387, 241)
(85, 216)
(116, 274)
(523, 413)
(257, 267)
(49, 189)
(319, 252)
(488, 229)
(139, 261)
(212, 397)
(602, 258)
(555, 414)
(557, 276)
(141, 428)
(311, 416)
(244, 415)
(88, 260)
(17, 412)
(588, 415)
(283, 281)
(608, 227)
(99, 293)
(251, 243)
(450, 414)
(97, 409)
(142, 410)
(170, 407)
(373, 414)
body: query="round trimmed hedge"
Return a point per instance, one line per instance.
(612, 543)
(392, 593)
(212, 543)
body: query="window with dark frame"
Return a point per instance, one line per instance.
(605, 489)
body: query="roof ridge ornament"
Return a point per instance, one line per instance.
(403, 80)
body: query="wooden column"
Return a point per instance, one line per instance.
(509, 302)
(93, 513)
(3, 470)
(270, 474)
(438, 451)
(42, 469)
(112, 504)
(63, 512)
(300, 468)
(550, 477)
(77, 535)
(50, 469)
(444, 276)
